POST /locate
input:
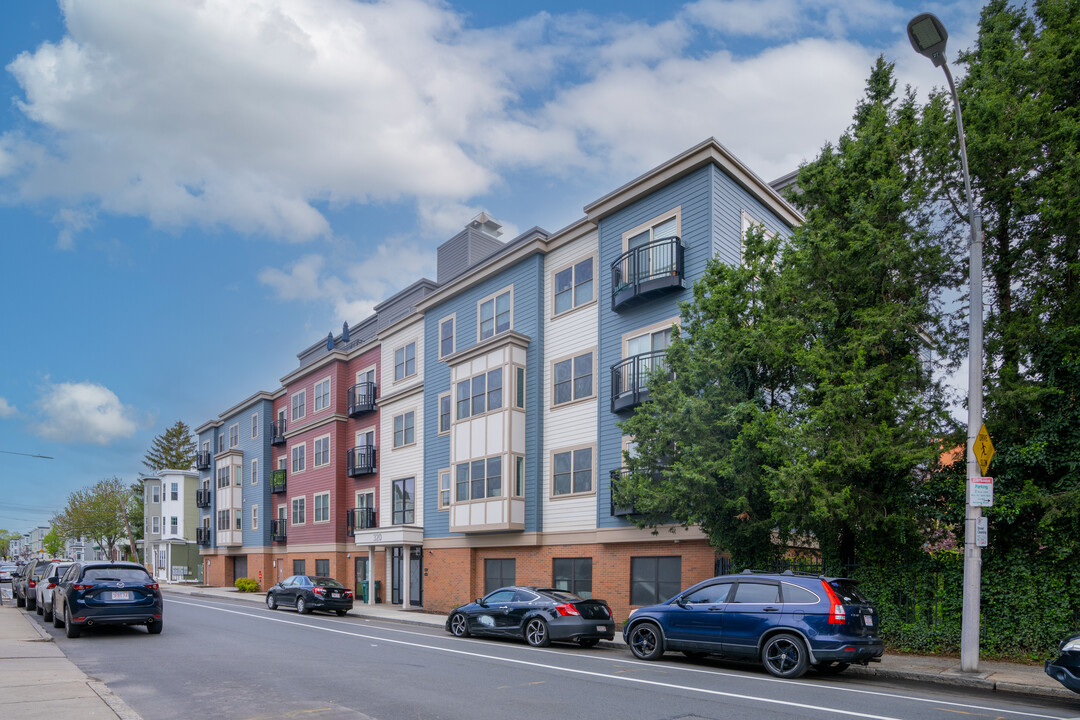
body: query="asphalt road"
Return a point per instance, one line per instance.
(219, 659)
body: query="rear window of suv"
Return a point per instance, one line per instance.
(105, 574)
(848, 592)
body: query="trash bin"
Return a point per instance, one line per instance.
(362, 590)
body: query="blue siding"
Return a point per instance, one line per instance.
(729, 201)
(526, 278)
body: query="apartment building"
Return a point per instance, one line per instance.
(171, 517)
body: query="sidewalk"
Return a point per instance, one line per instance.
(38, 681)
(1012, 678)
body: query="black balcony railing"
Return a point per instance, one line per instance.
(359, 519)
(202, 460)
(362, 398)
(202, 498)
(202, 535)
(360, 460)
(630, 379)
(277, 530)
(277, 432)
(619, 510)
(277, 480)
(646, 271)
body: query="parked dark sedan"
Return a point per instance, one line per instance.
(539, 615)
(94, 593)
(1066, 668)
(310, 592)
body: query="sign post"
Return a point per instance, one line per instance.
(981, 492)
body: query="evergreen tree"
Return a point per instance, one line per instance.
(173, 449)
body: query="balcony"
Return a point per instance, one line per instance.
(646, 271)
(277, 480)
(630, 379)
(619, 510)
(362, 398)
(359, 519)
(277, 432)
(202, 460)
(277, 530)
(360, 461)
(202, 536)
(202, 498)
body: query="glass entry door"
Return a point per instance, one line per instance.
(416, 575)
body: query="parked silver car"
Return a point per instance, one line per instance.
(53, 572)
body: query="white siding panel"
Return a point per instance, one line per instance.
(495, 433)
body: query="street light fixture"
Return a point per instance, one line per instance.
(928, 36)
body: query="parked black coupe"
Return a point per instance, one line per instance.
(539, 615)
(310, 592)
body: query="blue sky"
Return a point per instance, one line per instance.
(191, 193)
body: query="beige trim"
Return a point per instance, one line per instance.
(234, 426)
(453, 336)
(658, 220)
(454, 419)
(373, 369)
(373, 429)
(648, 330)
(400, 394)
(292, 511)
(329, 395)
(551, 472)
(292, 405)
(292, 459)
(252, 471)
(393, 429)
(595, 257)
(315, 452)
(494, 317)
(438, 413)
(595, 368)
(255, 425)
(315, 424)
(329, 513)
(665, 533)
(449, 491)
(416, 361)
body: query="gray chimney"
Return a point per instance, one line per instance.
(477, 241)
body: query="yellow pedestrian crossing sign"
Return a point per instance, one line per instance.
(983, 448)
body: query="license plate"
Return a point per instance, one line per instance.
(601, 628)
(869, 620)
(335, 594)
(121, 595)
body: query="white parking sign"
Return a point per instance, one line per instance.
(981, 492)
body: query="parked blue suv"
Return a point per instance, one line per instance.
(789, 622)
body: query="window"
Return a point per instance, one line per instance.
(572, 472)
(574, 286)
(444, 489)
(494, 315)
(238, 516)
(479, 479)
(322, 568)
(254, 472)
(299, 458)
(221, 443)
(446, 337)
(756, 593)
(573, 575)
(298, 567)
(573, 379)
(155, 527)
(173, 524)
(404, 499)
(254, 426)
(224, 478)
(155, 494)
(404, 429)
(322, 395)
(444, 413)
(519, 476)
(480, 394)
(405, 361)
(234, 435)
(322, 507)
(519, 391)
(299, 510)
(654, 579)
(710, 594)
(322, 451)
(206, 446)
(223, 519)
(254, 517)
(658, 258)
(299, 405)
(174, 491)
(499, 572)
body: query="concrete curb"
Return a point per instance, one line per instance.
(115, 703)
(974, 682)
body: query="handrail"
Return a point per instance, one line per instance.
(651, 261)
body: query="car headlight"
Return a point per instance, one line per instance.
(1072, 644)
(632, 613)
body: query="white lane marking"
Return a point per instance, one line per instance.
(718, 673)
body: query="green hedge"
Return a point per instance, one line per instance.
(246, 585)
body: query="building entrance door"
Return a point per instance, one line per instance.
(239, 567)
(361, 565)
(416, 575)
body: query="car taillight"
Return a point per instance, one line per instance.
(837, 614)
(151, 586)
(348, 593)
(31, 583)
(82, 587)
(319, 591)
(567, 609)
(50, 586)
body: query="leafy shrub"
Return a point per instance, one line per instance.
(246, 585)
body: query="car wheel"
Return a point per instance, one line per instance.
(459, 625)
(587, 642)
(155, 627)
(646, 641)
(784, 656)
(536, 633)
(20, 601)
(341, 613)
(271, 602)
(31, 604)
(831, 668)
(47, 615)
(38, 608)
(301, 606)
(70, 629)
(694, 654)
(57, 619)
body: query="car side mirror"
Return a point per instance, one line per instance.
(480, 602)
(680, 601)
(53, 580)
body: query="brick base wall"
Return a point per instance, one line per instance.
(218, 569)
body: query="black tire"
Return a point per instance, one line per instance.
(38, 608)
(831, 668)
(536, 633)
(302, 607)
(784, 656)
(695, 654)
(70, 629)
(57, 619)
(31, 604)
(646, 641)
(341, 613)
(588, 642)
(47, 615)
(20, 601)
(271, 601)
(459, 625)
(155, 627)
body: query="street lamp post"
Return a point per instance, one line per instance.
(928, 36)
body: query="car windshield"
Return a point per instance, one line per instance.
(848, 592)
(114, 574)
(326, 582)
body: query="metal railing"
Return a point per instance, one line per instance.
(646, 269)
(202, 460)
(360, 460)
(202, 498)
(630, 379)
(277, 432)
(202, 536)
(362, 398)
(277, 480)
(616, 477)
(277, 530)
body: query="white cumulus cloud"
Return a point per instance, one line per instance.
(83, 412)
(6, 409)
